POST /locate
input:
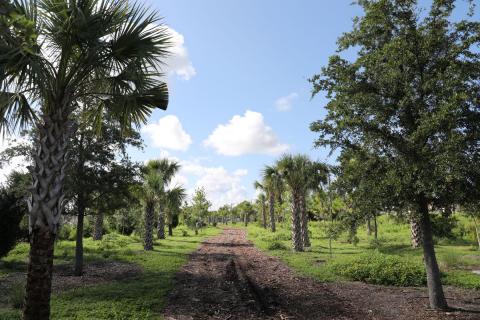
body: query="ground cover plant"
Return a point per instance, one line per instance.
(140, 295)
(390, 260)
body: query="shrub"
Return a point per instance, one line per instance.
(442, 227)
(16, 295)
(277, 245)
(11, 214)
(378, 268)
(65, 232)
(184, 233)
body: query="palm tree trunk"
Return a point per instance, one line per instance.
(476, 231)
(149, 212)
(304, 222)
(79, 239)
(98, 227)
(161, 224)
(45, 208)
(435, 289)
(297, 239)
(78, 270)
(416, 231)
(271, 205)
(39, 275)
(264, 214)
(170, 230)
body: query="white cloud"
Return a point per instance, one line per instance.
(221, 186)
(178, 63)
(168, 133)
(247, 134)
(285, 103)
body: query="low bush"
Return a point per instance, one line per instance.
(277, 245)
(378, 268)
(11, 214)
(65, 232)
(16, 295)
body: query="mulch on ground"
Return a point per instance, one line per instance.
(228, 278)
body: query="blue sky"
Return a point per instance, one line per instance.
(246, 55)
(239, 90)
(239, 94)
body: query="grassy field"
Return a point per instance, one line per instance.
(386, 260)
(141, 297)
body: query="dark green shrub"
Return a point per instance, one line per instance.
(378, 268)
(11, 214)
(277, 245)
(442, 227)
(64, 232)
(16, 295)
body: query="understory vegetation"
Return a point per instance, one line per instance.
(389, 260)
(136, 296)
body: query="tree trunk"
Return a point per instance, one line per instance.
(369, 227)
(271, 205)
(415, 231)
(39, 278)
(476, 231)
(79, 239)
(435, 289)
(375, 226)
(170, 230)
(246, 219)
(45, 207)
(161, 224)
(297, 239)
(78, 270)
(149, 212)
(264, 213)
(304, 222)
(98, 227)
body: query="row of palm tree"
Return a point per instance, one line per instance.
(298, 175)
(64, 63)
(158, 174)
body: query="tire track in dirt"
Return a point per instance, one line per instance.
(227, 278)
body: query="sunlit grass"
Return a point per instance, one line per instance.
(456, 260)
(141, 297)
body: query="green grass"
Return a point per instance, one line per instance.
(456, 257)
(142, 297)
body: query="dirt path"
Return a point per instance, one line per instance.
(227, 278)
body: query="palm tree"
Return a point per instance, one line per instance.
(273, 185)
(152, 188)
(261, 199)
(301, 175)
(56, 58)
(174, 199)
(168, 169)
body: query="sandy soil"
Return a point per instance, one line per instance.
(228, 278)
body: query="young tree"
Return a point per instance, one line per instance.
(261, 200)
(98, 175)
(411, 95)
(173, 201)
(153, 189)
(301, 175)
(272, 182)
(199, 209)
(167, 169)
(57, 57)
